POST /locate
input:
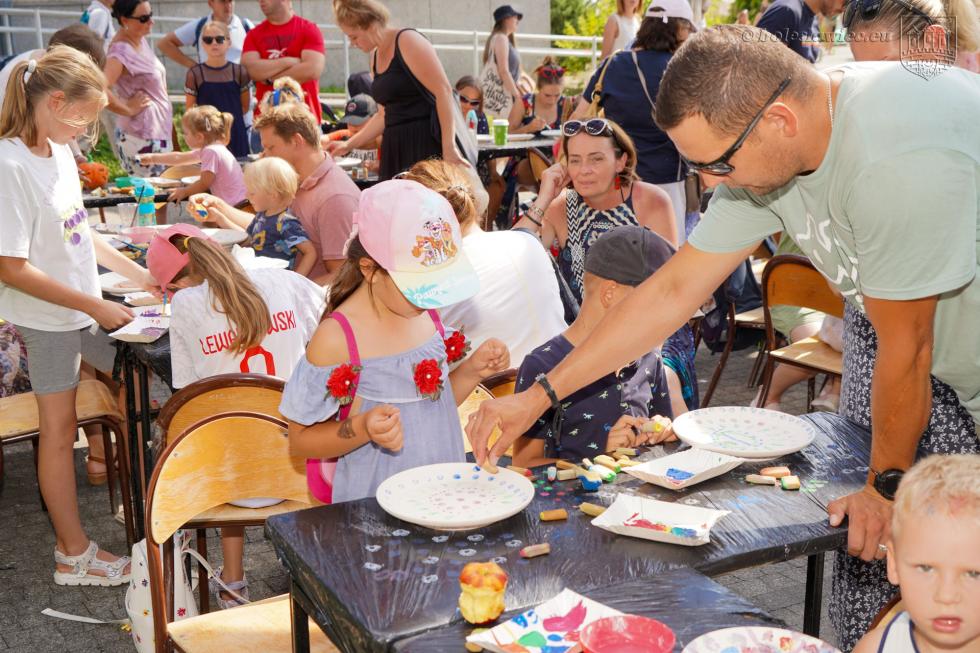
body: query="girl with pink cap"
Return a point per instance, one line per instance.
(374, 395)
(227, 319)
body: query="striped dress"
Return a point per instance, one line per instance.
(585, 225)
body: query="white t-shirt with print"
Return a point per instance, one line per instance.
(44, 221)
(200, 336)
(518, 300)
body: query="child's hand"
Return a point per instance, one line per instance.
(384, 427)
(624, 433)
(110, 315)
(656, 430)
(489, 358)
(206, 200)
(177, 194)
(146, 159)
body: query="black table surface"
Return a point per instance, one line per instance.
(491, 151)
(375, 579)
(689, 603)
(90, 201)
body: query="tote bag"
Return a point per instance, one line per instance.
(496, 100)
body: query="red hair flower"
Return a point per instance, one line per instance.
(340, 385)
(457, 346)
(428, 378)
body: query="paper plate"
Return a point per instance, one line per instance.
(551, 133)
(744, 432)
(659, 521)
(143, 329)
(348, 163)
(116, 284)
(552, 626)
(685, 468)
(757, 639)
(454, 496)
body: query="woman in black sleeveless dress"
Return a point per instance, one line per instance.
(410, 86)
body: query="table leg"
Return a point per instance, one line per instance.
(146, 420)
(814, 594)
(135, 444)
(300, 622)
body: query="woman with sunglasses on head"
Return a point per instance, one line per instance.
(881, 30)
(139, 80)
(220, 83)
(630, 80)
(599, 161)
(471, 99)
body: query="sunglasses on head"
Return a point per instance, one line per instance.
(208, 40)
(868, 10)
(720, 166)
(592, 127)
(144, 19)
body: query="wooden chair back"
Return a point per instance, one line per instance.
(539, 161)
(469, 406)
(501, 384)
(237, 455)
(256, 393)
(792, 280)
(181, 171)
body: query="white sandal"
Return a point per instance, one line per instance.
(81, 565)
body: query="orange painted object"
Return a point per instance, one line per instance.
(97, 173)
(482, 586)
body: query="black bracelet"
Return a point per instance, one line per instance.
(528, 216)
(542, 380)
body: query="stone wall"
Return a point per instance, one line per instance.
(436, 14)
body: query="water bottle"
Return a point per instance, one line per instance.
(472, 121)
(146, 209)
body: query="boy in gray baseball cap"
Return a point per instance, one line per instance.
(613, 411)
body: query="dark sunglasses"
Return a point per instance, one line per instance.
(868, 10)
(721, 166)
(592, 127)
(208, 40)
(472, 103)
(144, 19)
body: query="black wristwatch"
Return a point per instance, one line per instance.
(886, 482)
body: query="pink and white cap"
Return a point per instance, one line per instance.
(412, 232)
(163, 259)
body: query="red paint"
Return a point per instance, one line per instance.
(627, 633)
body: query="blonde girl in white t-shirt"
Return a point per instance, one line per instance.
(49, 285)
(224, 320)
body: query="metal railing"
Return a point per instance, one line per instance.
(471, 41)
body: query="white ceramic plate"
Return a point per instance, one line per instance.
(744, 432)
(685, 468)
(758, 639)
(187, 181)
(116, 284)
(224, 237)
(551, 133)
(454, 496)
(348, 163)
(660, 521)
(520, 137)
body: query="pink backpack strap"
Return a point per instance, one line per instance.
(320, 471)
(434, 314)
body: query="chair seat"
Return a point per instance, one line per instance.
(752, 318)
(257, 627)
(229, 515)
(18, 414)
(812, 353)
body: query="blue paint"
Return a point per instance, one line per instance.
(678, 475)
(457, 476)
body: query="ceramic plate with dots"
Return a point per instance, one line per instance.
(758, 639)
(454, 496)
(744, 432)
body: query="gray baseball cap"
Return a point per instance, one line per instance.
(359, 109)
(627, 255)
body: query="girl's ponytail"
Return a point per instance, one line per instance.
(207, 120)
(61, 69)
(349, 277)
(227, 121)
(232, 291)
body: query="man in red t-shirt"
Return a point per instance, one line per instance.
(284, 45)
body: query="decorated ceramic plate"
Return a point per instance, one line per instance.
(163, 182)
(757, 639)
(520, 137)
(744, 432)
(454, 496)
(192, 179)
(551, 133)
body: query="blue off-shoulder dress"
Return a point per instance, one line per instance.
(432, 433)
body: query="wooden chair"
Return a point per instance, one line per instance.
(94, 404)
(539, 161)
(888, 612)
(752, 319)
(232, 456)
(223, 393)
(501, 384)
(470, 406)
(792, 280)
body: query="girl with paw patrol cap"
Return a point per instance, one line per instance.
(374, 395)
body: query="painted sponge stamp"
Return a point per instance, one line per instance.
(482, 586)
(553, 626)
(659, 521)
(684, 468)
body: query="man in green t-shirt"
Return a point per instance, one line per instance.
(874, 172)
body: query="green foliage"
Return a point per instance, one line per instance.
(737, 6)
(589, 19)
(565, 12)
(102, 153)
